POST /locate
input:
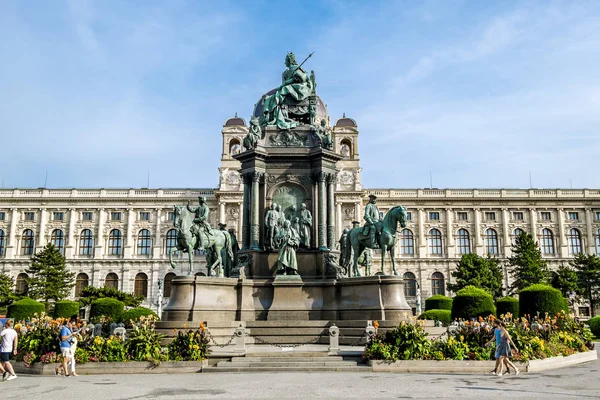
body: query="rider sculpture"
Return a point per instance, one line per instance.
(372, 217)
(201, 223)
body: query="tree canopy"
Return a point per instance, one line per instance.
(49, 278)
(526, 263)
(482, 272)
(7, 294)
(587, 268)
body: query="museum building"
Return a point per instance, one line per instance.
(122, 237)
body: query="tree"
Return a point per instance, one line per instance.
(482, 272)
(91, 293)
(49, 278)
(565, 280)
(7, 294)
(587, 268)
(526, 264)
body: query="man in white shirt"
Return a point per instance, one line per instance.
(10, 341)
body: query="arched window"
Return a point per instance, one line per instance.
(547, 241)
(2, 243)
(86, 243)
(435, 242)
(597, 243)
(144, 243)
(407, 243)
(516, 233)
(167, 284)
(115, 243)
(171, 241)
(82, 281)
(437, 284)
(111, 281)
(346, 148)
(21, 285)
(27, 242)
(491, 242)
(463, 243)
(410, 284)
(234, 147)
(58, 240)
(140, 287)
(574, 239)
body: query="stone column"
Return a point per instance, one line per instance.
(70, 247)
(331, 178)
(506, 234)
(422, 252)
(563, 249)
(533, 223)
(222, 212)
(157, 245)
(450, 252)
(358, 211)
(246, 211)
(41, 240)
(240, 223)
(254, 225)
(129, 244)
(322, 196)
(12, 248)
(590, 233)
(338, 218)
(478, 244)
(99, 240)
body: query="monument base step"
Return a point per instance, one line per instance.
(289, 362)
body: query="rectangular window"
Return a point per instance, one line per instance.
(29, 216)
(518, 215)
(58, 216)
(171, 216)
(597, 215)
(144, 216)
(490, 216)
(87, 216)
(115, 216)
(2, 216)
(434, 216)
(462, 216)
(545, 216)
(409, 216)
(573, 216)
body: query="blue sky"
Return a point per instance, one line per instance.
(477, 92)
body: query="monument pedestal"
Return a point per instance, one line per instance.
(291, 302)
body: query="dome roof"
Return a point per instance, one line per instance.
(345, 122)
(235, 121)
(321, 108)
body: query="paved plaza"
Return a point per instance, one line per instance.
(574, 382)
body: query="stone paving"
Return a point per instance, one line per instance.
(580, 382)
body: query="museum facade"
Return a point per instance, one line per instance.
(122, 237)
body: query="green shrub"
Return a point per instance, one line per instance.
(106, 307)
(25, 309)
(594, 324)
(406, 342)
(471, 302)
(437, 315)
(507, 305)
(542, 299)
(135, 313)
(66, 309)
(438, 302)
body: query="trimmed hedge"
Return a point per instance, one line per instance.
(438, 302)
(542, 299)
(437, 315)
(25, 309)
(107, 307)
(594, 324)
(507, 305)
(66, 309)
(471, 302)
(135, 313)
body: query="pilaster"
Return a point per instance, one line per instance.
(590, 233)
(421, 230)
(12, 245)
(563, 249)
(41, 239)
(70, 245)
(99, 250)
(506, 233)
(478, 243)
(129, 244)
(157, 243)
(450, 248)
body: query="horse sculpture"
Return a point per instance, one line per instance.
(188, 242)
(357, 242)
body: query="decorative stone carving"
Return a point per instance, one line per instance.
(346, 178)
(288, 139)
(233, 178)
(333, 268)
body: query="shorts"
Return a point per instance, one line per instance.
(6, 357)
(66, 351)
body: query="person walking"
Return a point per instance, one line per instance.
(497, 338)
(504, 350)
(65, 348)
(10, 342)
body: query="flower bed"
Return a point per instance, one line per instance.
(536, 339)
(39, 343)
